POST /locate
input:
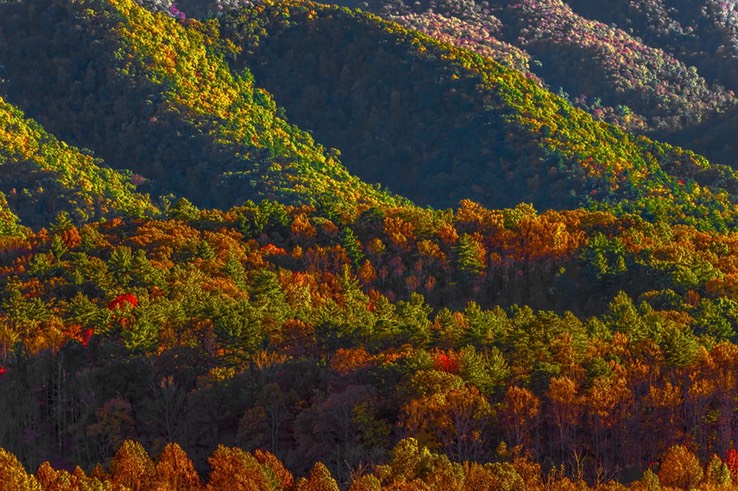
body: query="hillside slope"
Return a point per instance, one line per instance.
(591, 59)
(655, 67)
(702, 33)
(604, 69)
(152, 94)
(437, 123)
(42, 176)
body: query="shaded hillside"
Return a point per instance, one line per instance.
(608, 70)
(613, 75)
(41, 176)
(702, 33)
(152, 94)
(590, 58)
(436, 123)
(464, 23)
(400, 118)
(715, 138)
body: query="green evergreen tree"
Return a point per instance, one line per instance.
(624, 317)
(62, 222)
(415, 327)
(471, 255)
(184, 210)
(205, 250)
(487, 371)
(352, 246)
(235, 270)
(145, 274)
(57, 247)
(121, 265)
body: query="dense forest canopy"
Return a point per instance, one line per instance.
(431, 245)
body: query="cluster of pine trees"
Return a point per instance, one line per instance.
(273, 327)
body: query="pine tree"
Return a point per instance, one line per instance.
(471, 253)
(351, 245)
(62, 223)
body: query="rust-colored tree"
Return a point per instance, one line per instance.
(233, 469)
(132, 467)
(320, 479)
(566, 407)
(519, 412)
(680, 468)
(175, 471)
(456, 421)
(272, 464)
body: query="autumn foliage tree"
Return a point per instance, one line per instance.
(132, 467)
(14, 476)
(680, 468)
(175, 470)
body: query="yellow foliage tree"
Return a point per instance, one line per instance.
(13, 476)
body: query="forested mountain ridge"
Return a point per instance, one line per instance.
(224, 134)
(544, 150)
(611, 73)
(666, 68)
(267, 319)
(701, 33)
(42, 176)
(149, 94)
(639, 56)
